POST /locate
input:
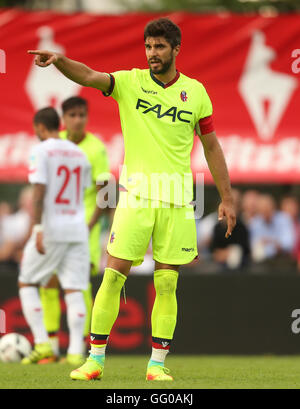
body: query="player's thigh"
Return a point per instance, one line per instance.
(119, 264)
(131, 229)
(38, 268)
(174, 237)
(73, 271)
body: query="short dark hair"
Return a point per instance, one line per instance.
(73, 102)
(48, 117)
(163, 27)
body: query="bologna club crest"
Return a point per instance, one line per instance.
(183, 96)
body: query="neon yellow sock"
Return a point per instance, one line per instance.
(107, 302)
(88, 300)
(51, 308)
(164, 312)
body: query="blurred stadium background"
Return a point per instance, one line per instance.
(242, 293)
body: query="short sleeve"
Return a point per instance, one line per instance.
(119, 84)
(206, 108)
(38, 166)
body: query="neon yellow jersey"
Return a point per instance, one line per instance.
(158, 122)
(97, 156)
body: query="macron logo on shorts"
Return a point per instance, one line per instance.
(187, 249)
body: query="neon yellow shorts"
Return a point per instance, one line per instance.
(173, 231)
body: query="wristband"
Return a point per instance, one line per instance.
(37, 228)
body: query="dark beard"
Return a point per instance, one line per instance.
(165, 66)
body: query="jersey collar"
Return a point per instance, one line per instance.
(161, 83)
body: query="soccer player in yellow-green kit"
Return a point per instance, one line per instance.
(75, 117)
(159, 109)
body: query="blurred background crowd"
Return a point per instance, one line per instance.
(266, 236)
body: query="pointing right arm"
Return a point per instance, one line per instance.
(73, 70)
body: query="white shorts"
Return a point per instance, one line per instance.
(69, 260)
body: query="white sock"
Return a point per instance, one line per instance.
(98, 350)
(76, 313)
(33, 313)
(159, 355)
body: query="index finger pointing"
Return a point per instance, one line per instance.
(36, 52)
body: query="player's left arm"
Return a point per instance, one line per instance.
(218, 168)
(39, 191)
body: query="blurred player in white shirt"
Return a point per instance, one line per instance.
(59, 172)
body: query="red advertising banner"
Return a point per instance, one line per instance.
(250, 66)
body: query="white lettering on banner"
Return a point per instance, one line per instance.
(287, 149)
(245, 156)
(264, 158)
(246, 152)
(15, 149)
(19, 154)
(231, 150)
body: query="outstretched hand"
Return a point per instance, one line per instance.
(43, 58)
(226, 209)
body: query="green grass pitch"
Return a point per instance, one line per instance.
(190, 372)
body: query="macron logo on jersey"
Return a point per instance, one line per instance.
(157, 109)
(149, 92)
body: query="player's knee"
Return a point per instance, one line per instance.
(165, 282)
(113, 279)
